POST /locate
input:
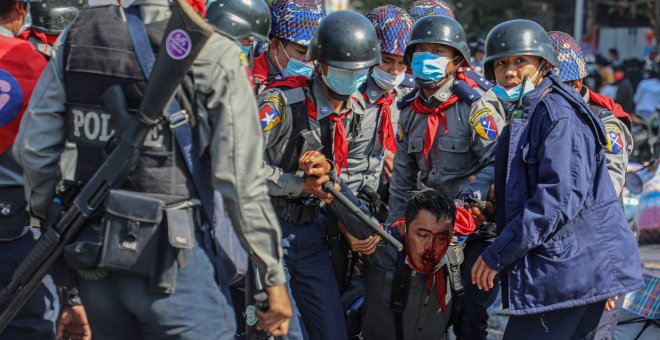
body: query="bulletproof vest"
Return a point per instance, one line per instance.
(97, 55)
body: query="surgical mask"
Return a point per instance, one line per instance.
(515, 93)
(344, 82)
(385, 80)
(295, 67)
(427, 66)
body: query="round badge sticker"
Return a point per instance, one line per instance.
(11, 98)
(178, 44)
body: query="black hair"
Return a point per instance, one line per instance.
(434, 201)
(6, 6)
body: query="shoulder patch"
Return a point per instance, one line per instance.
(272, 113)
(484, 124)
(614, 139)
(244, 60)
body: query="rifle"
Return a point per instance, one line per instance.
(186, 34)
(360, 215)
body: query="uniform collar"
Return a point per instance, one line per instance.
(585, 94)
(372, 91)
(323, 107)
(440, 96)
(5, 32)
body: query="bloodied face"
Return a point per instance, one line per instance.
(427, 240)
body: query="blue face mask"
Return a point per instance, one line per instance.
(295, 67)
(513, 94)
(345, 82)
(427, 66)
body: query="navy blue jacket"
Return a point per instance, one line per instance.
(563, 240)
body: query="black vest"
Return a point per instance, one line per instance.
(97, 55)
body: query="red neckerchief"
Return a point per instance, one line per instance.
(609, 104)
(464, 225)
(387, 131)
(45, 38)
(260, 68)
(340, 143)
(339, 139)
(436, 115)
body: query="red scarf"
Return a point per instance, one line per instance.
(260, 68)
(609, 104)
(45, 38)
(340, 143)
(464, 225)
(436, 115)
(387, 131)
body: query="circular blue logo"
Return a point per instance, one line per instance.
(11, 97)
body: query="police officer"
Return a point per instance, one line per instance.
(478, 52)
(422, 8)
(48, 19)
(448, 129)
(294, 24)
(306, 124)
(243, 20)
(20, 68)
(617, 124)
(180, 296)
(557, 210)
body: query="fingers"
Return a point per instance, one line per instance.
(476, 272)
(366, 246)
(282, 330)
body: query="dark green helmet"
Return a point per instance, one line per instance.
(346, 40)
(240, 18)
(438, 29)
(517, 37)
(51, 16)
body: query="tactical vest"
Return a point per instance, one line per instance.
(97, 55)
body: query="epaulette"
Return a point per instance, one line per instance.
(407, 99)
(465, 92)
(295, 95)
(482, 82)
(408, 81)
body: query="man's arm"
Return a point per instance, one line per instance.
(237, 156)
(40, 140)
(404, 176)
(490, 110)
(622, 146)
(559, 194)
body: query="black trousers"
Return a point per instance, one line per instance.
(564, 324)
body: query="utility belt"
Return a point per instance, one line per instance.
(14, 219)
(139, 235)
(298, 210)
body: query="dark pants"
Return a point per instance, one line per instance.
(36, 320)
(609, 320)
(312, 280)
(471, 320)
(122, 307)
(566, 324)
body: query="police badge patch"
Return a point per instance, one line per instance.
(614, 139)
(269, 116)
(483, 123)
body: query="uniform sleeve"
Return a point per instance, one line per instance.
(620, 146)
(276, 124)
(559, 194)
(236, 151)
(40, 140)
(487, 121)
(404, 176)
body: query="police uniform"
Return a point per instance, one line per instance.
(461, 159)
(20, 67)
(303, 224)
(66, 106)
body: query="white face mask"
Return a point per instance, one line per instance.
(385, 80)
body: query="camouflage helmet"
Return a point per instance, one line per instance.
(295, 20)
(422, 8)
(240, 18)
(569, 55)
(51, 16)
(393, 26)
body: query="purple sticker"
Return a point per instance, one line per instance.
(178, 44)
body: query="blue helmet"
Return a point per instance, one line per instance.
(295, 20)
(569, 55)
(422, 8)
(393, 26)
